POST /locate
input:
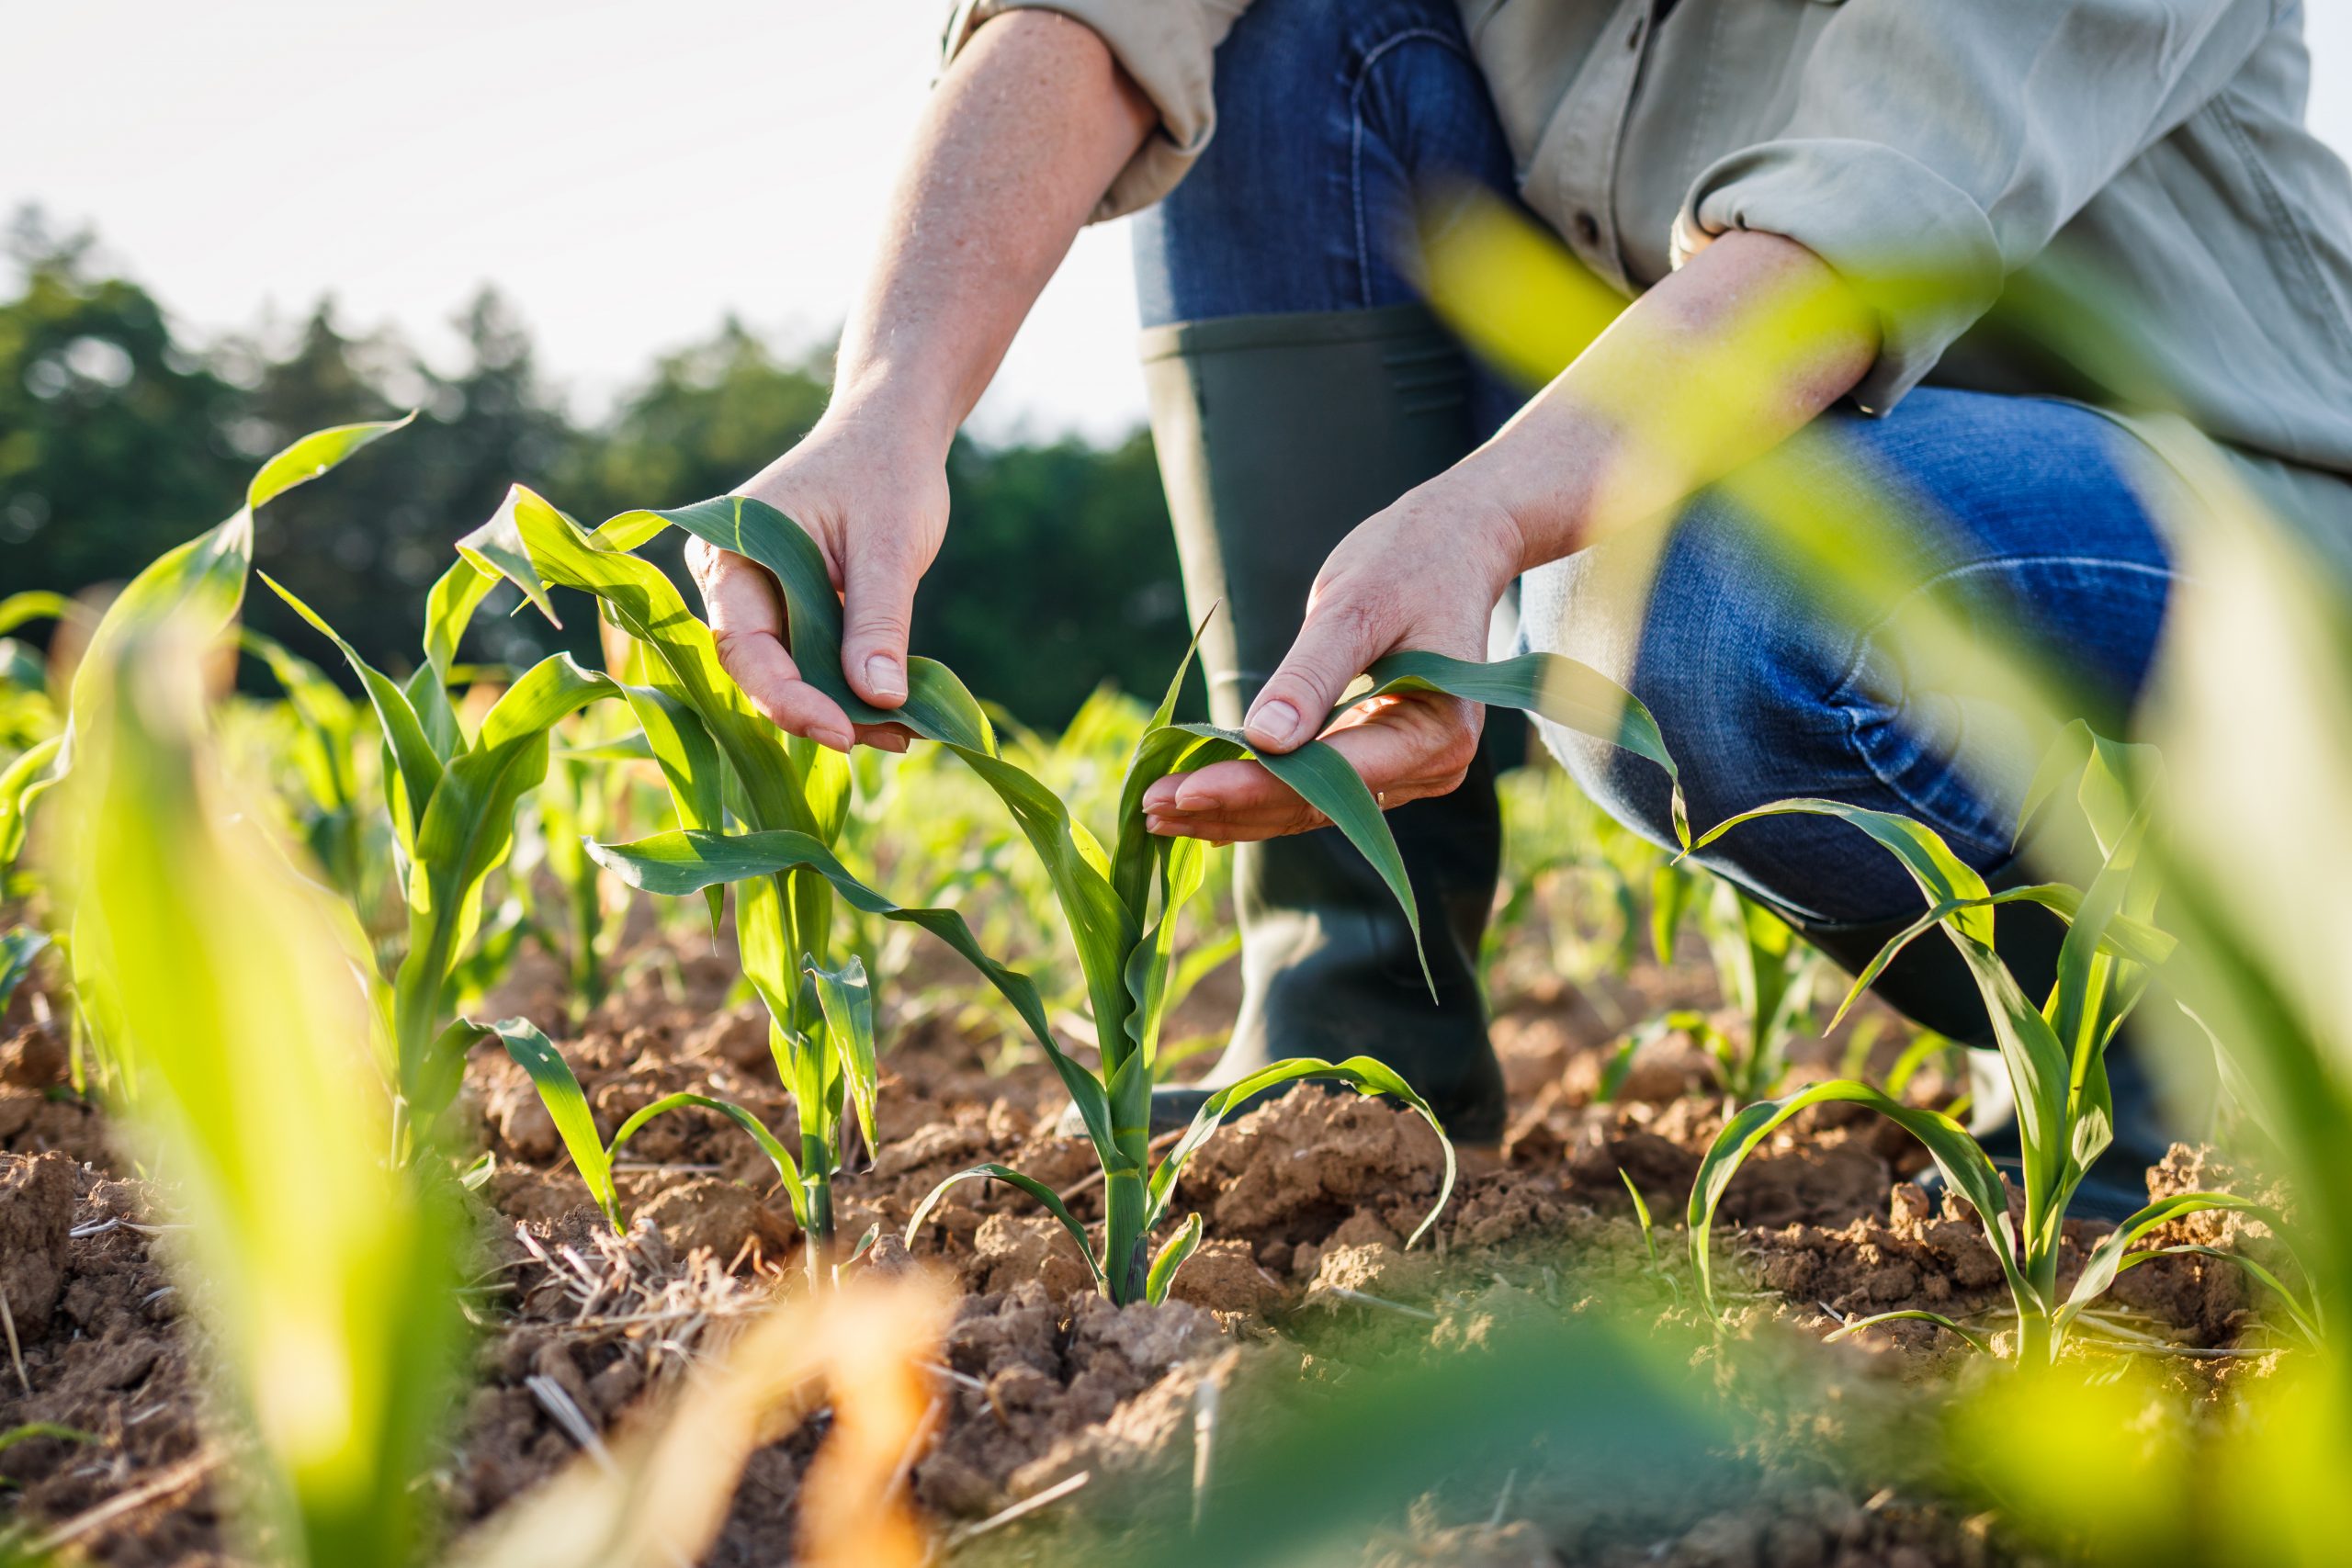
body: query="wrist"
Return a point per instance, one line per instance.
(1475, 525)
(894, 414)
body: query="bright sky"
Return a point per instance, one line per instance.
(626, 172)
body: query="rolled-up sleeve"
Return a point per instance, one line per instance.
(1934, 150)
(1168, 45)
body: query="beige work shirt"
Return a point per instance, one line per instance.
(2147, 157)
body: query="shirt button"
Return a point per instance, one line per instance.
(1587, 227)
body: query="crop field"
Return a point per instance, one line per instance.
(467, 1115)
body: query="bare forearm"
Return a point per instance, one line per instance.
(1714, 367)
(1017, 145)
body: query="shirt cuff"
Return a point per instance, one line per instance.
(1921, 250)
(1164, 45)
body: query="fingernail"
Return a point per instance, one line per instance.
(883, 677)
(1193, 801)
(1275, 722)
(893, 743)
(1154, 823)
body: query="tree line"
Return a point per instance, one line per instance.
(120, 436)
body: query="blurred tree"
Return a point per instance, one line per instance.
(708, 418)
(363, 552)
(115, 443)
(1060, 573)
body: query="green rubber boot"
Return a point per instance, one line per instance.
(1276, 435)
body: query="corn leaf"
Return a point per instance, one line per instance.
(677, 863)
(787, 1169)
(847, 1002)
(1325, 780)
(29, 773)
(2307, 1320)
(553, 689)
(1912, 1314)
(32, 604)
(2108, 1259)
(315, 453)
(1152, 965)
(1573, 695)
(1363, 1074)
(1032, 1186)
(19, 950)
(416, 760)
(2121, 936)
(1171, 1258)
(1964, 1165)
(2040, 1069)
(938, 707)
(467, 833)
(567, 1105)
(450, 608)
(1942, 875)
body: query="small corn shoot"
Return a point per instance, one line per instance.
(2054, 1054)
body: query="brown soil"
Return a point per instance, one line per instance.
(1305, 1276)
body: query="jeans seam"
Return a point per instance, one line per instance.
(1852, 711)
(1363, 68)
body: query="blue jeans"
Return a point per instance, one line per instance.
(1333, 117)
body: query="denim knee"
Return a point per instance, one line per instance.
(1719, 643)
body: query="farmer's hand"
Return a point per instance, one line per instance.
(876, 505)
(1423, 574)
(1022, 135)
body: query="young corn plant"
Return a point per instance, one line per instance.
(724, 763)
(453, 798)
(1123, 901)
(2054, 1054)
(1765, 970)
(197, 587)
(325, 735)
(577, 805)
(328, 1275)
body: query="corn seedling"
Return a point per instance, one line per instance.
(2053, 1054)
(454, 792)
(577, 805)
(1765, 970)
(560, 1090)
(723, 760)
(329, 1299)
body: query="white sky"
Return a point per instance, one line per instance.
(626, 172)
